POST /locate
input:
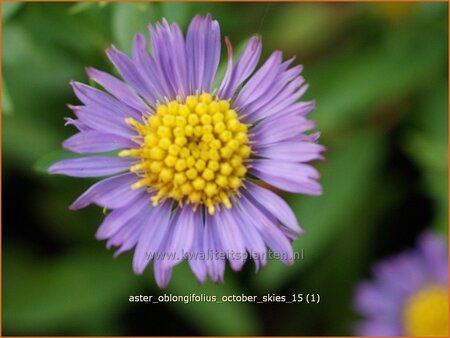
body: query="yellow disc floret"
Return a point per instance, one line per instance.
(426, 312)
(196, 151)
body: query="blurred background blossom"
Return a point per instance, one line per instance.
(379, 74)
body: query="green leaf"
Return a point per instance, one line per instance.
(348, 176)
(129, 19)
(43, 295)
(7, 104)
(9, 9)
(304, 26)
(377, 75)
(178, 12)
(226, 319)
(26, 139)
(80, 7)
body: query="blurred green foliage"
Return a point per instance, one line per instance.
(379, 75)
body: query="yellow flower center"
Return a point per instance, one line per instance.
(194, 151)
(426, 312)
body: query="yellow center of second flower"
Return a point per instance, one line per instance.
(193, 151)
(426, 312)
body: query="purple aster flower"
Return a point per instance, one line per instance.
(409, 294)
(184, 184)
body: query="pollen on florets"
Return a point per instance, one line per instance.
(196, 151)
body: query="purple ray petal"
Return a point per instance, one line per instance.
(434, 252)
(197, 264)
(373, 300)
(292, 177)
(279, 106)
(238, 73)
(112, 193)
(203, 47)
(119, 89)
(154, 233)
(215, 258)
(152, 75)
(274, 204)
(260, 81)
(273, 130)
(273, 86)
(101, 119)
(94, 97)
(130, 73)
(93, 141)
(77, 123)
(117, 218)
(127, 236)
(252, 239)
(270, 232)
(181, 237)
(162, 273)
(231, 239)
(379, 328)
(292, 151)
(91, 166)
(170, 55)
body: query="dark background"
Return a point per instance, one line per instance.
(379, 75)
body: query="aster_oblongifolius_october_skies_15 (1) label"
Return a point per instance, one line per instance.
(186, 181)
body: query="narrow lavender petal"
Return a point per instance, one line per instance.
(197, 264)
(91, 166)
(112, 193)
(375, 301)
(215, 263)
(252, 239)
(260, 82)
(119, 89)
(288, 176)
(181, 237)
(154, 233)
(117, 218)
(151, 75)
(409, 266)
(434, 252)
(77, 123)
(278, 84)
(130, 73)
(291, 93)
(162, 63)
(270, 232)
(237, 74)
(213, 47)
(93, 141)
(231, 239)
(170, 56)
(127, 236)
(94, 97)
(292, 151)
(203, 47)
(379, 328)
(274, 204)
(273, 129)
(162, 273)
(101, 119)
(301, 108)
